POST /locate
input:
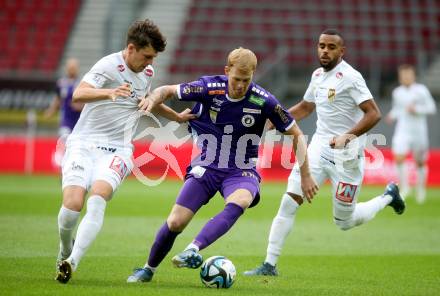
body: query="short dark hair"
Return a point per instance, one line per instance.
(333, 32)
(145, 33)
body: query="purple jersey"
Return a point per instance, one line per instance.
(64, 90)
(228, 131)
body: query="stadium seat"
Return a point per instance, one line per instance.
(265, 25)
(26, 24)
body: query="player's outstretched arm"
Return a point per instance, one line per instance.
(302, 110)
(158, 96)
(371, 117)
(170, 114)
(86, 93)
(308, 184)
(298, 111)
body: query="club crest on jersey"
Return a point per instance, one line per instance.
(213, 115)
(248, 120)
(331, 94)
(346, 192)
(121, 68)
(119, 166)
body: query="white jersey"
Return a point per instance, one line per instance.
(337, 95)
(108, 122)
(412, 124)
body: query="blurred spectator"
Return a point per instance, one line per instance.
(70, 111)
(412, 102)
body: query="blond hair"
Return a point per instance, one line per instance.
(242, 58)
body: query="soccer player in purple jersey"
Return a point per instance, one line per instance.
(62, 101)
(232, 111)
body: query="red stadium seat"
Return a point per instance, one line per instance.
(27, 25)
(215, 27)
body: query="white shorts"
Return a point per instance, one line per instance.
(405, 143)
(84, 164)
(346, 181)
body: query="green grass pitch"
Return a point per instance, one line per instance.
(390, 255)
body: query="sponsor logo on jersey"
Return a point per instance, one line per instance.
(213, 115)
(99, 79)
(77, 167)
(217, 101)
(215, 109)
(331, 94)
(109, 149)
(148, 72)
(119, 166)
(187, 89)
(248, 120)
(216, 84)
(250, 110)
(346, 192)
(260, 92)
(339, 75)
(217, 92)
(121, 68)
(256, 100)
(279, 110)
(318, 72)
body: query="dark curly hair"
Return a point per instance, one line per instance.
(145, 33)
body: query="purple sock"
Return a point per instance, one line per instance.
(218, 225)
(162, 245)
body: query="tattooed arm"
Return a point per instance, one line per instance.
(170, 114)
(158, 96)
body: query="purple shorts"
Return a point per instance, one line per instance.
(199, 189)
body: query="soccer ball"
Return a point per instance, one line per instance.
(218, 272)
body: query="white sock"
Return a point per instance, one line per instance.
(88, 229)
(192, 246)
(153, 269)
(67, 220)
(281, 226)
(403, 177)
(365, 211)
(421, 183)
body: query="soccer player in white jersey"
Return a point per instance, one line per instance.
(98, 157)
(346, 111)
(412, 102)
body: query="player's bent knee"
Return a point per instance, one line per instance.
(176, 225)
(299, 200)
(103, 189)
(288, 206)
(73, 198)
